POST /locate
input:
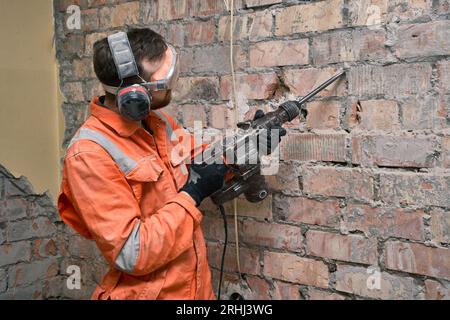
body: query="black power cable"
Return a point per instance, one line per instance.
(225, 225)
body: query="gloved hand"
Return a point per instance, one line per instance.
(204, 180)
(267, 138)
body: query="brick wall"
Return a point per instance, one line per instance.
(363, 187)
(36, 247)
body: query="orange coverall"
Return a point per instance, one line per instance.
(120, 188)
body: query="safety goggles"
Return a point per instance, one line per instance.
(166, 76)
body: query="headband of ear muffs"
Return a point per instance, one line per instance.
(133, 101)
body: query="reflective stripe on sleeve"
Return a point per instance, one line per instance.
(127, 258)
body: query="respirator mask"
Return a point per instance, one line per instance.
(134, 101)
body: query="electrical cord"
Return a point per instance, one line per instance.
(225, 225)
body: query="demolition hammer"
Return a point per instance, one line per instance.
(240, 149)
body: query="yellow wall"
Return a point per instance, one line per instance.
(30, 117)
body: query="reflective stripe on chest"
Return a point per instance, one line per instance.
(125, 163)
(131, 167)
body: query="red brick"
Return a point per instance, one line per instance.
(216, 59)
(367, 12)
(356, 45)
(186, 60)
(418, 258)
(385, 222)
(358, 280)
(303, 210)
(249, 259)
(443, 7)
(443, 113)
(352, 248)
(258, 3)
(423, 40)
(392, 81)
(220, 117)
(196, 88)
(91, 39)
(251, 86)
(261, 210)
(231, 283)
(440, 225)
(259, 289)
(286, 179)
(421, 113)
(291, 268)
(411, 10)
(89, 20)
(175, 34)
(315, 294)
(271, 235)
(43, 248)
(201, 32)
(436, 291)
(323, 114)
(72, 45)
(200, 8)
(285, 291)
(96, 3)
(314, 147)
(356, 149)
(194, 113)
(93, 89)
(374, 115)
(301, 81)
(213, 228)
(395, 151)
(169, 9)
(415, 188)
(279, 53)
(338, 182)
(83, 68)
(443, 71)
(253, 26)
(119, 15)
(318, 16)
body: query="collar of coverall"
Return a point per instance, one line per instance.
(122, 126)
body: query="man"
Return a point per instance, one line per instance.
(126, 182)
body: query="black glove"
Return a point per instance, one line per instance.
(268, 138)
(204, 180)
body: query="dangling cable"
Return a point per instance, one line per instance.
(236, 120)
(224, 216)
(230, 6)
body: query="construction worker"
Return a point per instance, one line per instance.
(126, 177)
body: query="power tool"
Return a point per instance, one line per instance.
(241, 150)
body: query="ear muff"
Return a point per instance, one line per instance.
(134, 102)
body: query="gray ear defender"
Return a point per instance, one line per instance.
(134, 101)
(123, 55)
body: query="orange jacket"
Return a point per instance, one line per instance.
(120, 188)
